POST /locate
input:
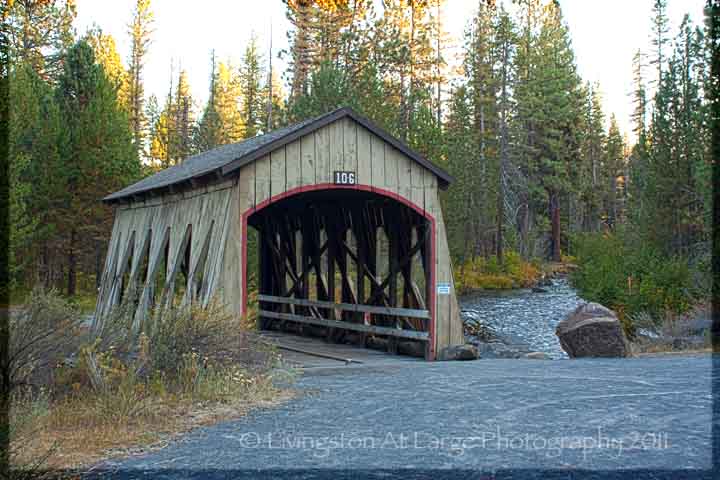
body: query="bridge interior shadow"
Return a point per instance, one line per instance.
(350, 266)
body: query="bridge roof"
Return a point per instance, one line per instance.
(226, 159)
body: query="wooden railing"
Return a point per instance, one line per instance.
(347, 307)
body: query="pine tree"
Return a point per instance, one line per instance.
(182, 110)
(406, 48)
(526, 120)
(172, 134)
(323, 31)
(613, 169)
(222, 120)
(107, 55)
(140, 32)
(38, 33)
(275, 112)
(560, 108)
(505, 49)
(34, 129)
(590, 175)
(254, 102)
(479, 67)
(96, 158)
(660, 32)
(460, 152)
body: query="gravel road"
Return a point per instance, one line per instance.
(590, 418)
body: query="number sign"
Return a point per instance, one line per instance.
(344, 178)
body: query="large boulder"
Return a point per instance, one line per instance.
(459, 352)
(592, 330)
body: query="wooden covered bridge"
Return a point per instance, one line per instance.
(351, 240)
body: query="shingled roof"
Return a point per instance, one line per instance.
(224, 160)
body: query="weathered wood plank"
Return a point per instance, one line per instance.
(350, 148)
(405, 175)
(377, 163)
(307, 148)
(392, 168)
(337, 146)
(246, 187)
(278, 173)
(391, 332)
(322, 155)
(262, 179)
(350, 307)
(293, 165)
(364, 158)
(417, 181)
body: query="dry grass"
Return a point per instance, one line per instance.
(675, 334)
(76, 437)
(124, 391)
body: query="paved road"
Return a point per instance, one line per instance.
(505, 418)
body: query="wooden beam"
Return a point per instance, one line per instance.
(352, 307)
(358, 327)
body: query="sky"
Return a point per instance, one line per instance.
(605, 36)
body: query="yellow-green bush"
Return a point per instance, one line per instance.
(632, 277)
(489, 274)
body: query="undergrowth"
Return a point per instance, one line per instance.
(116, 387)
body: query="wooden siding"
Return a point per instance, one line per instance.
(164, 224)
(216, 214)
(346, 145)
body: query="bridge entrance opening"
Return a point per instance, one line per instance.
(350, 265)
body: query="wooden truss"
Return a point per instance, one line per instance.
(347, 269)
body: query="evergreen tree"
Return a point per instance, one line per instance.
(460, 216)
(660, 32)
(613, 168)
(505, 49)
(254, 102)
(140, 32)
(589, 178)
(38, 33)
(172, 138)
(182, 109)
(96, 158)
(222, 120)
(526, 120)
(275, 114)
(107, 55)
(34, 129)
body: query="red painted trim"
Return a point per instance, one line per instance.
(365, 188)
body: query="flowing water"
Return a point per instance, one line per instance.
(523, 318)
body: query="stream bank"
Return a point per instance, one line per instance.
(512, 323)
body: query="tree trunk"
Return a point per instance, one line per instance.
(72, 266)
(612, 207)
(500, 218)
(554, 205)
(98, 264)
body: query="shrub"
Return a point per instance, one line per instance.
(117, 383)
(488, 274)
(632, 278)
(42, 334)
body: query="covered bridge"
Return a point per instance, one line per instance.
(351, 239)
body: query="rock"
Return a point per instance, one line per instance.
(698, 325)
(414, 349)
(545, 282)
(592, 330)
(459, 352)
(536, 356)
(501, 350)
(647, 333)
(539, 290)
